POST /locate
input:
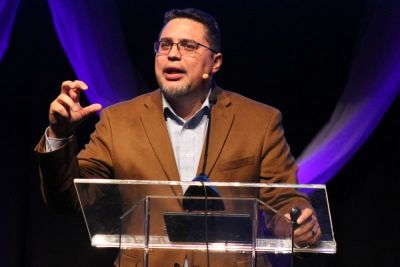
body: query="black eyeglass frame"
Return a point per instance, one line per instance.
(178, 44)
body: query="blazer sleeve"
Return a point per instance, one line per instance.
(58, 168)
(279, 166)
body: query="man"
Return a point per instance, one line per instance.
(162, 133)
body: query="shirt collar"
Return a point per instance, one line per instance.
(166, 106)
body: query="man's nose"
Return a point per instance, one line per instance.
(174, 52)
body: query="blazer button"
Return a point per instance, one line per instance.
(177, 265)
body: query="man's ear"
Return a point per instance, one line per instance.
(217, 63)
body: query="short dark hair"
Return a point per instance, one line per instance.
(213, 32)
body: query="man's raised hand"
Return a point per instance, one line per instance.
(66, 112)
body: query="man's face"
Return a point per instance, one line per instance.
(180, 75)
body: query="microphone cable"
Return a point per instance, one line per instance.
(206, 222)
(212, 101)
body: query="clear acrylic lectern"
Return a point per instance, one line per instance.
(150, 215)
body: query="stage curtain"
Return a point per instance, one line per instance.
(8, 10)
(91, 36)
(374, 83)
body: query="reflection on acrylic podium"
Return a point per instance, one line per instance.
(154, 215)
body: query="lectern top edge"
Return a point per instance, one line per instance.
(188, 183)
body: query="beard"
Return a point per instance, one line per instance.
(173, 91)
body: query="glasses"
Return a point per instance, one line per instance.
(185, 47)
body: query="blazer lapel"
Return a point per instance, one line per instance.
(221, 123)
(157, 132)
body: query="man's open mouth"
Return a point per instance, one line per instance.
(173, 74)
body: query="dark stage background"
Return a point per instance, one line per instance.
(301, 67)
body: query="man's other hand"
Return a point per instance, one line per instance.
(66, 112)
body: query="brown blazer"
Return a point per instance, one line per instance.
(131, 141)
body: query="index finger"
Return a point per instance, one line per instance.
(73, 89)
(75, 92)
(66, 86)
(80, 84)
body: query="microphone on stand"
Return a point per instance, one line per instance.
(213, 100)
(204, 191)
(295, 213)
